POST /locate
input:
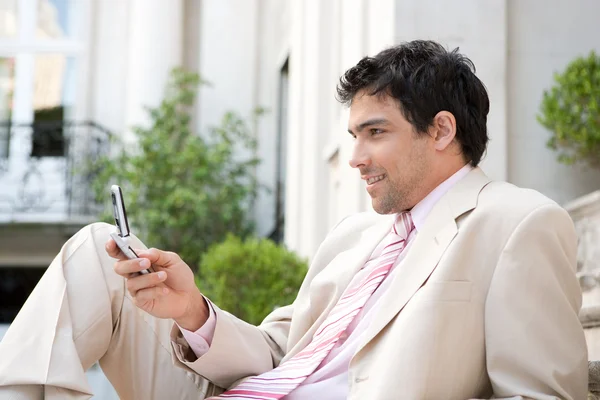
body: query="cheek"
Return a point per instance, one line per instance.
(407, 163)
(398, 156)
(399, 159)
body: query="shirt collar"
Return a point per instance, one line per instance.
(420, 211)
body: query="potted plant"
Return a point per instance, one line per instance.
(571, 111)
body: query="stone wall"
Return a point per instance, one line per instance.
(585, 212)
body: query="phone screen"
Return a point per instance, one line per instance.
(119, 212)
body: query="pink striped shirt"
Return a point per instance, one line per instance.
(330, 379)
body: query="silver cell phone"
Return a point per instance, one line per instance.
(123, 234)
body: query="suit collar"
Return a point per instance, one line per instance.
(463, 196)
(460, 198)
(420, 211)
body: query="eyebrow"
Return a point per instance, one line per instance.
(369, 122)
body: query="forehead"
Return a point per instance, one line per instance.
(365, 107)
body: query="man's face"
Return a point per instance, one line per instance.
(392, 158)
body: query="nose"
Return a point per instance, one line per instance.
(360, 157)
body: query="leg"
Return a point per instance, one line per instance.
(80, 313)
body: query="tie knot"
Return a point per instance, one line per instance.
(403, 225)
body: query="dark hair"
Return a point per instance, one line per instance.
(425, 79)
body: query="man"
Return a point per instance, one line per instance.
(462, 288)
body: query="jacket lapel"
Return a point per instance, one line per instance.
(349, 262)
(328, 285)
(426, 250)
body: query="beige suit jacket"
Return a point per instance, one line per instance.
(484, 304)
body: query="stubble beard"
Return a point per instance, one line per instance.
(399, 196)
(393, 201)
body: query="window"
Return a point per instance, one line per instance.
(281, 155)
(56, 19)
(53, 99)
(8, 19)
(41, 47)
(7, 79)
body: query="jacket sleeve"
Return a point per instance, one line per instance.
(535, 344)
(238, 349)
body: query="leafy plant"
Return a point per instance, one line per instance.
(571, 111)
(184, 192)
(249, 278)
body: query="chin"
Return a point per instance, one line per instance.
(381, 209)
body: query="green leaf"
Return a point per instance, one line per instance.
(570, 111)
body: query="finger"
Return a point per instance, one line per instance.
(113, 250)
(145, 281)
(159, 257)
(127, 267)
(146, 295)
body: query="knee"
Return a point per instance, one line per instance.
(99, 232)
(100, 228)
(95, 234)
(94, 228)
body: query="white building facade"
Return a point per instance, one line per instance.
(114, 58)
(103, 61)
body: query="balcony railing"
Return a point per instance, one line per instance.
(44, 170)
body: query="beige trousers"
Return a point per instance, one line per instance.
(80, 313)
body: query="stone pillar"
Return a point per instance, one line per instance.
(293, 185)
(155, 47)
(310, 95)
(585, 212)
(228, 59)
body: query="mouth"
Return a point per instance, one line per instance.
(375, 179)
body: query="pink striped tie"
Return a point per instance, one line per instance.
(279, 382)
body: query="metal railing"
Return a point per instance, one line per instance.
(45, 168)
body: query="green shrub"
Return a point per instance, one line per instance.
(571, 111)
(250, 278)
(183, 192)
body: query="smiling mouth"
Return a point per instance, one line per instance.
(375, 179)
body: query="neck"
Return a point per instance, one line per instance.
(439, 177)
(448, 172)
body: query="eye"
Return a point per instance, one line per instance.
(376, 131)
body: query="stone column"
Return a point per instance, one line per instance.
(155, 47)
(228, 59)
(293, 186)
(306, 200)
(585, 212)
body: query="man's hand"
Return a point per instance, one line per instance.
(169, 292)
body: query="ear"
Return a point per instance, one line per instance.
(443, 130)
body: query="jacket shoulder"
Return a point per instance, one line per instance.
(511, 201)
